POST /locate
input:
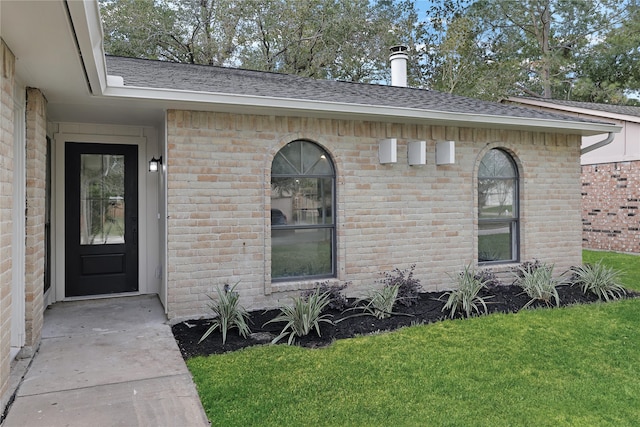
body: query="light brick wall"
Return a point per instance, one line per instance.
(611, 206)
(7, 64)
(36, 135)
(387, 215)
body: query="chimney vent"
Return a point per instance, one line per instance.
(398, 59)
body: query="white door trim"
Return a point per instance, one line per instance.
(18, 245)
(57, 208)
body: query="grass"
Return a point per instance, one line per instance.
(562, 367)
(628, 264)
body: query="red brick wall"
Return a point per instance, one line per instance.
(611, 206)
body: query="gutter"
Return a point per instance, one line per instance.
(608, 140)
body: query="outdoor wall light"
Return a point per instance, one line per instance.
(388, 151)
(445, 153)
(154, 164)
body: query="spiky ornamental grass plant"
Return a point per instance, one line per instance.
(538, 283)
(380, 303)
(465, 298)
(304, 315)
(229, 313)
(600, 280)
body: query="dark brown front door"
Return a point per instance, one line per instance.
(101, 219)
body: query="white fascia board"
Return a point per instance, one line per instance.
(335, 108)
(87, 24)
(577, 110)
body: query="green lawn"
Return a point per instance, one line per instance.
(628, 264)
(572, 366)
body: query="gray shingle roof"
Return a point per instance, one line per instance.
(231, 81)
(608, 108)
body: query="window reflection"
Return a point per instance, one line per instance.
(498, 212)
(302, 212)
(101, 199)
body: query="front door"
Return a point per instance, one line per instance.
(101, 219)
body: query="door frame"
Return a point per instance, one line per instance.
(58, 208)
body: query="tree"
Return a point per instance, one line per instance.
(192, 31)
(611, 69)
(495, 48)
(335, 39)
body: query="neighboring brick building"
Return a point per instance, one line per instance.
(610, 175)
(272, 181)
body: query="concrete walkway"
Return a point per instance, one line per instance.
(108, 362)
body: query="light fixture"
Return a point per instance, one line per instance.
(445, 153)
(154, 164)
(388, 151)
(417, 153)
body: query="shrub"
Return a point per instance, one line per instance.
(538, 283)
(304, 315)
(488, 277)
(528, 266)
(337, 300)
(229, 314)
(599, 280)
(408, 286)
(465, 298)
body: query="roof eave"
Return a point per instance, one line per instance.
(266, 105)
(577, 110)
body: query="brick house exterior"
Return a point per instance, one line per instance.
(403, 176)
(610, 176)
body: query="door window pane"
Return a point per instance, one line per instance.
(101, 199)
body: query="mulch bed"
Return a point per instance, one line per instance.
(505, 299)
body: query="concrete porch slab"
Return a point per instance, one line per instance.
(107, 362)
(166, 401)
(103, 358)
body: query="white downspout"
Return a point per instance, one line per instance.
(597, 145)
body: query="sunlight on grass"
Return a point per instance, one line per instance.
(549, 367)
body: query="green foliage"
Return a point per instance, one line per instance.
(229, 314)
(599, 280)
(380, 303)
(408, 286)
(303, 316)
(465, 298)
(538, 283)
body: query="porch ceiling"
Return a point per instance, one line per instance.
(42, 38)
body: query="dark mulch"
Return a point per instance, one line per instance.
(505, 299)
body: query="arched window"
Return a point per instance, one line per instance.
(303, 231)
(498, 208)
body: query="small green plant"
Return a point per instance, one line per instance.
(538, 283)
(600, 280)
(465, 298)
(304, 315)
(229, 314)
(380, 303)
(408, 286)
